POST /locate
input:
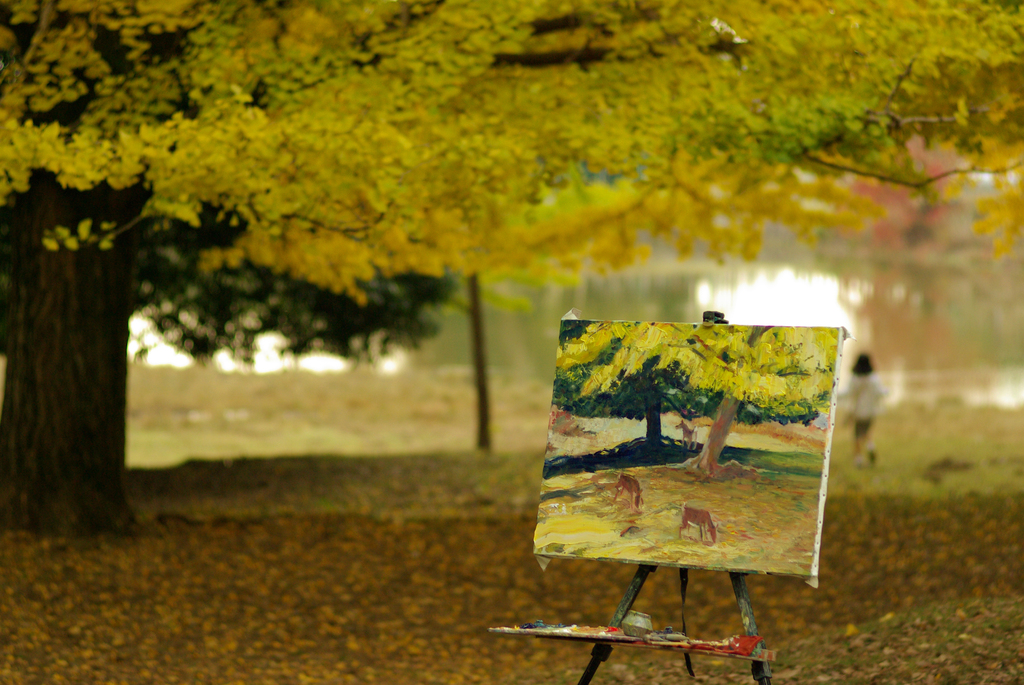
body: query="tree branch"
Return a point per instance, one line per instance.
(896, 121)
(563, 23)
(355, 234)
(584, 55)
(45, 17)
(899, 82)
(123, 228)
(723, 45)
(905, 182)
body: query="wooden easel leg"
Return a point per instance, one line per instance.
(761, 670)
(626, 603)
(601, 652)
(684, 580)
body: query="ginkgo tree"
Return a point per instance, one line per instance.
(355, 138)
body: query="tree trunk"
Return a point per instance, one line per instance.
(62, 428)
(707, 461)
(483, 406)
(652, 415)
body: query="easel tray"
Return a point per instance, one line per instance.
(747, 648)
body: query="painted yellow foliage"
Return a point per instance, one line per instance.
(769, 366)
(353, 136)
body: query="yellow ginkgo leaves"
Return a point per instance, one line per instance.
(392, 136)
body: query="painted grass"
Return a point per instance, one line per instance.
(762, 525)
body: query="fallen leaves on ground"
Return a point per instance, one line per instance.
(346, 598)
(976, 642)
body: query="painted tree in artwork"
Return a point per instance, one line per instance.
(784, 373)
(354, 139)
(769, 373)
(645, 394)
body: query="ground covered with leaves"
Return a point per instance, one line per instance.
(391, 570)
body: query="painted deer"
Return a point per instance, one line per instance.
(692, 516)
(689, 439)
(565, 423)
(629, 486)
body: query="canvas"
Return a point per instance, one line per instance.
(692, 445)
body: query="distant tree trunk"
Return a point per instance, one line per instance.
(652, 415)
(483, 407)
(62, 428)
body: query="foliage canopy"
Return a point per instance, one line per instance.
(357, 138)
(728, 373)
(200, 312)
(780, 374)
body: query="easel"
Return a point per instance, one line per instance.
(760, 669)
(754, 650)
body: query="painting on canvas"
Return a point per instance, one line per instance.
(694, 445)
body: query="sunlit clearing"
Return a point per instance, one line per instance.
(268, 357)
(857, 291)
(1007, 391)
(143, 334)
(779, 298)
(392, 363)
(980, 387)
(225, 362)
(895, 381)
(324, 363)
(165, 355)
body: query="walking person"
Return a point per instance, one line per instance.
(865, 393)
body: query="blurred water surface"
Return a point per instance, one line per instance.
(941, 331)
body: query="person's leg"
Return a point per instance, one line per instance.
(869, 442)
(860, 433)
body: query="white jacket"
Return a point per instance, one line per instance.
(865, 394)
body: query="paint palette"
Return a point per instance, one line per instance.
(750, 648)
